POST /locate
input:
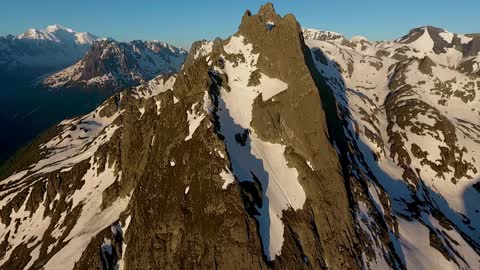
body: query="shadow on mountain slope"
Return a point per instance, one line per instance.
(406, 203)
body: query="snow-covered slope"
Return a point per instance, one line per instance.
(114, 65)
(47, 231)
(47, 49)
(412, 122)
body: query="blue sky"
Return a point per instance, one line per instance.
(181, 22)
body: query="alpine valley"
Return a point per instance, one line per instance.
(326, 152)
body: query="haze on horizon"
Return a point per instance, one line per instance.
(181, 23)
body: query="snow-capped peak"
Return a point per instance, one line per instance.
(35, 34)
(57, 27)
(424, 42)
(58, 33)
(85, 38)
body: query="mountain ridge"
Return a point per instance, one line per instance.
(117, 65)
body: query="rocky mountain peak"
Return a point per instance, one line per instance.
(270, 80)
(438, 40)
(110, 64)
(266, 18)
(427, 28)
(267, 12)
(265, 30)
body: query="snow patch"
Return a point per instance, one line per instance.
(270, 25)
(424, 43)
(447, 36)
(270, 87)
(310, 165)
(464, 39)
(92, 218)
(227, 177)
(205, 49)
(121, 262)
(194, 121)
(30, 230)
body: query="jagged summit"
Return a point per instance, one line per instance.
(440, 38)
(266, 15)
(427, 27)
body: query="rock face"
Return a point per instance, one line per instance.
(257, 156)
(115, 65)
(295, 118)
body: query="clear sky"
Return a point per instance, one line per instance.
(181, 22)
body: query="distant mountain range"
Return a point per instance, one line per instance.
(44, 50)
(108, 64)
(115, 65)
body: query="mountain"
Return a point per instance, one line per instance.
(412, 133)
(322, 153)
(447, 48)
(28, 106)
(59, 34)
(44, 50)
(110, 64)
